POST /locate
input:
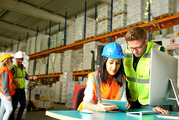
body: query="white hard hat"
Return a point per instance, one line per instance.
(19, 54)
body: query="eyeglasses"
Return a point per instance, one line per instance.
(137, 48)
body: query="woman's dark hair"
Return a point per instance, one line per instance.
(118, 77)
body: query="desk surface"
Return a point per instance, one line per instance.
(77, 115)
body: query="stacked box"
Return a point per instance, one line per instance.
(28, 47)
(104, 12)
(70, 34)
(78, 60)
(79, 28)
(60, 38)
(161, 7)
(87, 55)
(58, 63)
(32, 45)
(38, 43)
(136, 11)
(22, 46)
(90, 28)
(177, 6)
(43, 67)
(44, 42)
(68, 61)
(103, 26)
(121, 40)
(53, 41)
(119, 6)
(15, 49)
(70, 93)
(119, 21)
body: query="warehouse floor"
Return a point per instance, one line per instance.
(40, 114)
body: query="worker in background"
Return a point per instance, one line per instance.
(6, 86)
(20, 76)
(136, 67)
(107, 82)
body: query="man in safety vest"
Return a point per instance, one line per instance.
(20, 76)
(136, 66)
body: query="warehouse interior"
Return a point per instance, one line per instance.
(60, 40)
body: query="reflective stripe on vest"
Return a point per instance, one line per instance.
(19, 76)
(10, 80)
(97, 80)
(138, 81)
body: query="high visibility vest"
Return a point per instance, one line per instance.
(10, 81)
(138, 81)
(114, 93)
(19, 76)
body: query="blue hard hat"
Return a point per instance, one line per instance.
(112, 50)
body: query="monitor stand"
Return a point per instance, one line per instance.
(175, 90)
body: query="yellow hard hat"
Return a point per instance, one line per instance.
(5, 56)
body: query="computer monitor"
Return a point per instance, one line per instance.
(162, 68)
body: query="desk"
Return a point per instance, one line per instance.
(76, 115)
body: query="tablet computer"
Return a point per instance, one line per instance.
(121, 104)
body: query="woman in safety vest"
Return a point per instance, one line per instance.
(106, 83)
(6, 87)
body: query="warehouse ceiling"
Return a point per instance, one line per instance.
(21, 17)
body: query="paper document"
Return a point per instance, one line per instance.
(168, 116)
(121, 104)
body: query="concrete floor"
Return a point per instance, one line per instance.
(40, 114)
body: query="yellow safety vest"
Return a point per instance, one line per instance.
(19, 76)
(138, 81)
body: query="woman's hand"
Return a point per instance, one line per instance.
(9, 98)
(159, 109)
(105, 107)
(129, 103)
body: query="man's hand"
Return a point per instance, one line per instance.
(129, 103)
(159, 109)
(9, 98)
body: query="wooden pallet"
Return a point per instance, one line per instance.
(102, 33)
(78, 41)
(163, 16)
(117, 29)
(90, 37)
(103, 20)
(59, 103)
(122, 12)
(135, 24)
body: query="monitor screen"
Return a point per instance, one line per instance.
(162, 68)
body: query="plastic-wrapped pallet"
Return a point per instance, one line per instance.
(53, 41)
(32, 45)
(87, 56)
(177, 6)
(37, 67)
(58, 63)
(119, 21)
(119, 6)
(79, 28)
(78, 60)
(104, 12)
(70, 93)
(60, 38)
(38, 45)
(31, 67)
(121, 40)
(22, 46)
(68, 60)
(52, 58)
(103, 27)
(28, 47)
(43, 67)
(44, 42)
(136, 11)
(91, 28)
(15, 49)
(70, 34)
(161, 7)
(58, 91)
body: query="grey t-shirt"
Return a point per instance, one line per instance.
(5, 83)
